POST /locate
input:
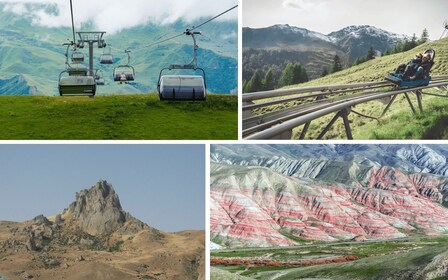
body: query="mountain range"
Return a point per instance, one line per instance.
(279, 44)
(277, 195)
(94, 238)
(34, 55)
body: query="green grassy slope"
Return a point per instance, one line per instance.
(375, 70)
(378, 260)
(117, 117)
(400, 266)
(399, 122)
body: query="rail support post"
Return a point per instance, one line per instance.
(304, 130)
(410, 103)
(329, 125)
(388, 106)
(419, 100)
(348, 130)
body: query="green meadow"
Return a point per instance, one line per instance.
(117, 117)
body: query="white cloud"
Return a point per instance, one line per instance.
(303, 5)
(115, 15)
(231, 35)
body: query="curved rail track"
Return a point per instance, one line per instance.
(303, 105)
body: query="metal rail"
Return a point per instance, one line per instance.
(257, 123)
(343, 105)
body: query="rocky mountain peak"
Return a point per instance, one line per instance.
(97, 210)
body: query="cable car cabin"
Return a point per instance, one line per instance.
(106, 59)
(77, 57)
(181, 87)
(77, 86)
(100, 82)
(77, 70)
(124, 74)
(421, 77)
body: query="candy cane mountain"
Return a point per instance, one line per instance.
(94, 238)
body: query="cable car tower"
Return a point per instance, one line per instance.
(90, 38)
(445, 31)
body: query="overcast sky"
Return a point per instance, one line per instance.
(114, 15)
(398, 16)
(162, 185)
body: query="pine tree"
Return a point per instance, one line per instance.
(268, 81)
(370, 54)
(413, 42)
(287, 77)
(304, 76)
(424, 37)
(324, 72)
(245, 82)
(337, 66)
(293, 74)
(254, 83)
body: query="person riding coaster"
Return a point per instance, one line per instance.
(415, 72)
(409, 68)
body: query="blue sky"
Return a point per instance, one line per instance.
(162, 185)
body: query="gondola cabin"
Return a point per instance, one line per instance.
(106, 59)
(77, 70)
(77, 86)
(124, 74)
(181, 87)
(77, 57)
(100, 82)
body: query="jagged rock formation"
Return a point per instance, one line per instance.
(319, 199)
(41, 220)
(97, 210)
(94, 238)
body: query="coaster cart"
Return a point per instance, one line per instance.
(400, 81)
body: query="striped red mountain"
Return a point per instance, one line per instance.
(329, 201)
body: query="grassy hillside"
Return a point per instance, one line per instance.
(399, 122)
(378, 260)
(117, 117)
(409, 265)
(375, 70)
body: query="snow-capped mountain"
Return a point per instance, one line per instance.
(355, 40)
(282, 43)
(410, 158)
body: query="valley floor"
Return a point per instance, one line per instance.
(132, 117)
(409, 258)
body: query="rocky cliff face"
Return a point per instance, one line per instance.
(97, 210)
(95, 239)
(321, 200)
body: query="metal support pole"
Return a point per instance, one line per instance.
(388, 105)
(348, 131)
(329, 125)
(409, 101)
(304, 130)
(91, 58)
(419, 100)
